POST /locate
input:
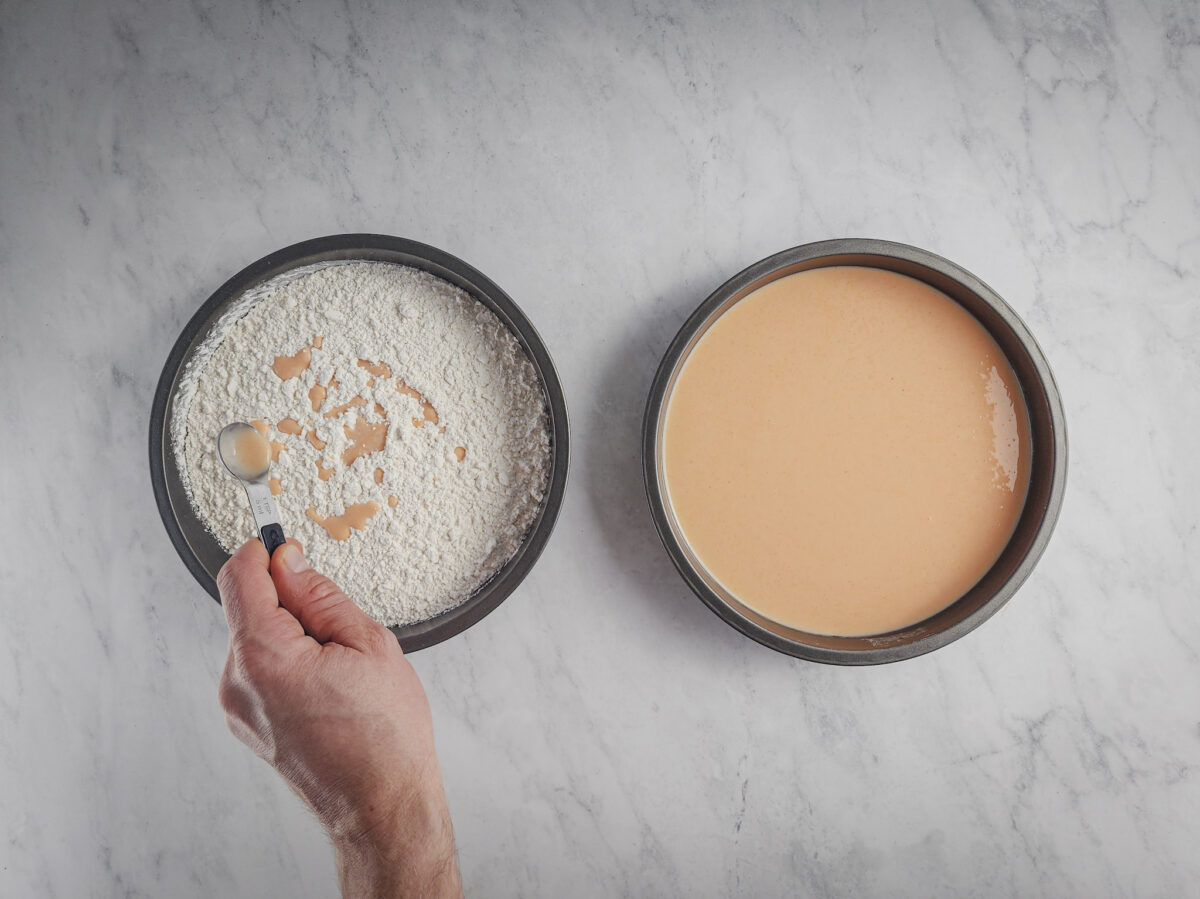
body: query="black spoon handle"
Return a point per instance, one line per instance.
(272, 538)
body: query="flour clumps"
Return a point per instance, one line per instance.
(408, 428)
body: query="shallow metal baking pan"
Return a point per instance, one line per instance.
(1048, 432)
(200, 551)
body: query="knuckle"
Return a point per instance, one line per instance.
(256, 667)
(251, 668)
(240, 729)
(380, 640)
(324, 592)
(227, 578)
(231, 690)
(227, 694)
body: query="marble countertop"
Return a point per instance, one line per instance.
(603, 733)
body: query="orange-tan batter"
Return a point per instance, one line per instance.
(846, 450)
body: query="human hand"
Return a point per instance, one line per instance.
(325, 695)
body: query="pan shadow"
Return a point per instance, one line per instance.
(614, 480)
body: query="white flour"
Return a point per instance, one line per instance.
(451, 524)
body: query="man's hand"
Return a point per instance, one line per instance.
(324, 694)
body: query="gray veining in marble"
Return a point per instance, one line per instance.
(603, 734)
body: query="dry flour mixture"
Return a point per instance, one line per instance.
(408, 429)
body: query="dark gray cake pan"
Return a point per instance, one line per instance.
(200, 551)
(1048, 433)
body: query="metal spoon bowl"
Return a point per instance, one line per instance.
(253, 476)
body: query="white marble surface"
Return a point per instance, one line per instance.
(603, 733)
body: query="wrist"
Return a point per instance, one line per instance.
(407, 849)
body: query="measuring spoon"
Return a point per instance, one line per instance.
(246, 455)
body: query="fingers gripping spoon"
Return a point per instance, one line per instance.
(246, 455)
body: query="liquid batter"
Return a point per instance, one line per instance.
(846, 450)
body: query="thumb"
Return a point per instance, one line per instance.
(323, 610)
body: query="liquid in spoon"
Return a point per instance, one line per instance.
(245, 452)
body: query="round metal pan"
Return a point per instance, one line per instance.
(1047, 477)
(200, 551)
